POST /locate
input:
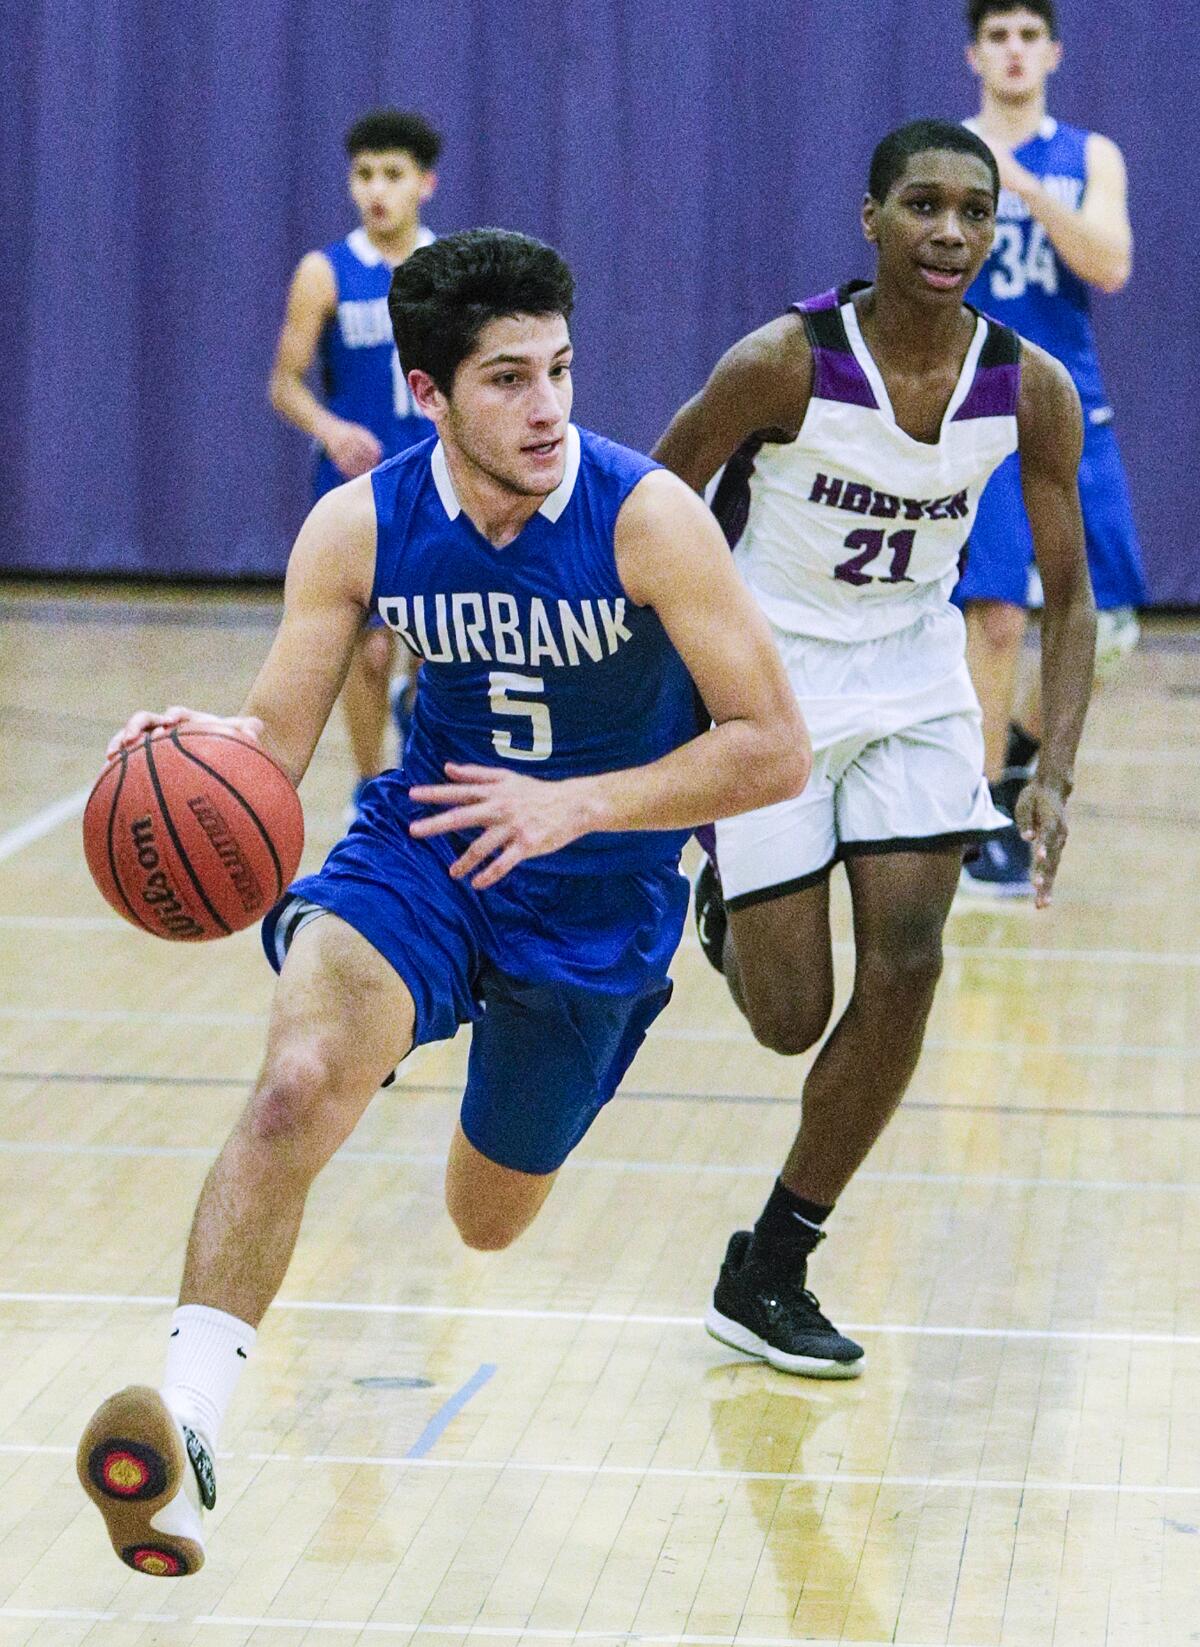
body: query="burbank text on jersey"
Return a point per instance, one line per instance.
(534, 652)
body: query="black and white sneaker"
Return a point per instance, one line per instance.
(776, 1318)
(711, 919)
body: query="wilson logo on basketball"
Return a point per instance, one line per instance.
(157, 890)
(245, 882)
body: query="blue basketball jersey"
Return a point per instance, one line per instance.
(534, 656)
(360, 369)
(1025, 283)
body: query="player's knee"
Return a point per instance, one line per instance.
(1002, 625)
(903, 974)
(790, 1023)
(295, 1099)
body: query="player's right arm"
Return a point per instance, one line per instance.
(312, 301)
(763, 382)
(326, 595)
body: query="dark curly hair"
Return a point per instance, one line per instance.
(445, 294)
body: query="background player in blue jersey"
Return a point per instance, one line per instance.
(337, 317)
(566, 593)
(1062, 228)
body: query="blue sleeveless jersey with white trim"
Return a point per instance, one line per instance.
(360, 370)
(535, 659)
(1025, 283)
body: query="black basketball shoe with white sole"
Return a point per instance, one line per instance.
(711, 919)
(773, 1316)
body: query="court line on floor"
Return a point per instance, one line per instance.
(42, 823)
(665, 1472)
(450, 1409)
(601, 1163)
(700, 1035)
(380, 1627)
(606, 1318)
(633, 1095)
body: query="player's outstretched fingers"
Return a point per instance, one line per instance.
(479, 851)
(499, 867)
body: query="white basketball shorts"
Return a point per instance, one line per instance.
(897, 761)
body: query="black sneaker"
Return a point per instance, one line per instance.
(777, 1319)
(711, 919)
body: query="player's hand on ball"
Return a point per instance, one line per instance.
(352, 448)
(145, 720)
(519, 818)
(1041, 816)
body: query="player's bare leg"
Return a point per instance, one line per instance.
(900, 903)
(490, 1204)
(365, 699)
(341, 1021)
(779, 961)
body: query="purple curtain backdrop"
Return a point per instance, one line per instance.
(163, 166)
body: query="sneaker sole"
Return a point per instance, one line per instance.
(737, 1337)
(131, 1464)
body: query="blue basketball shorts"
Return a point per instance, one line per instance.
(1000, 553)
(560, 975)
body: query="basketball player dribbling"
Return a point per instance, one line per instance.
(857, 433)
(337, 315)
(520, 873)
(1062, 228)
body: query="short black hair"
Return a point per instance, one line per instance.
(978, 11)
(897, 148)
(443, 296)
(393, 129)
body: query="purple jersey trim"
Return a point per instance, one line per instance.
(993, 394)
(837, 376)
(823, 300)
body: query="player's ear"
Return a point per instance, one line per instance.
(870, 207)
(1054, 55)
(425, 392)
(972, 57)
(429, 182)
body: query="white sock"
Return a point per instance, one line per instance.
(205, 1356)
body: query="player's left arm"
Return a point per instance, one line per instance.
(1096, 241)
(1050, 441)
(671, 556)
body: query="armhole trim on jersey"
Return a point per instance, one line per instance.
(996, 387)
(837, 372)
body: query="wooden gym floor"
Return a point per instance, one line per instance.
(543, 1446)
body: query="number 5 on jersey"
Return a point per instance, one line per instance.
(524, 707)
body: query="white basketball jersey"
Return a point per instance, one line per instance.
(854, 530)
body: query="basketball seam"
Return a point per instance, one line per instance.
(112, 857)
(240, 798)
(177, 843)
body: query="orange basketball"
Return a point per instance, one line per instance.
(192, 834)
